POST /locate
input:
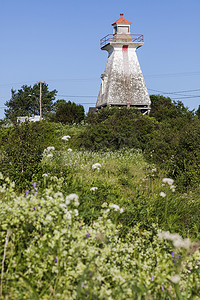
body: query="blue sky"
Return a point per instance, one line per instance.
(57, 41)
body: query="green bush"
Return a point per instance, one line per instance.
(22, 146)
(114, 128)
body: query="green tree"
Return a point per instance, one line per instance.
(26, 101)
(163, 108)
(197, 112)
(67, 112)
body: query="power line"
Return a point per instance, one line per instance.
(76, 96)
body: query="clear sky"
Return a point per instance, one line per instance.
(57, 41)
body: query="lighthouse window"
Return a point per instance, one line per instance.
(123, 29)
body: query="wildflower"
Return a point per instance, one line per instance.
(168, 180)
(154, 170)
(172, 187)
(176, 239)
(83, 285)
(55, 259)
(115, 206)
(27, 191)
(34, 185)
(121, 210)
(44, 175)
(87, 235)
(69, 150)
(175, 279)
(94, 189)
(58, 194)
(96, 166)
(50, 148)
(50, 155)
(62, 205)
(71, 197)
(68, 215)
(162, 288)
(152, 277)
(162, 194)
(76, 212)
(172, 254)
(66, 137)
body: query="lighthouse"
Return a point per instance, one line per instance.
(122, 83)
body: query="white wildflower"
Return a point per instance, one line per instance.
(62, 205)
(115, 206)
(172, 187)
(66, 137)
(69, 150)
(49, 218)
(68, 215)
(180, 243)
(168, 180)
(154, 170)
(94, 189)
(76, 212)
(162, 194)
(96, 166)
(175, 279)
(176, 239)
(44, 175)
(50, 148)
(72, 197)
(58, 194)
(121, 210)
(50, 155)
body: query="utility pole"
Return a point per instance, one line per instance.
(40, 82)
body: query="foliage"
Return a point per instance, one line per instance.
(21, 150)
(50, 252)
(26, 101)
(67, 112)
(197, 112)
(114, 128)
(163, 108)
(175, 147)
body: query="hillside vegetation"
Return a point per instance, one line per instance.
(108, 209)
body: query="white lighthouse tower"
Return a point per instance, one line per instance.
(122, 82)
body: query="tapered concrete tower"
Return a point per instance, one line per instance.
(122, 82)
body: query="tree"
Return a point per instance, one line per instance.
(197, 112)
(163, 108)
(67, 112)
(26, 101)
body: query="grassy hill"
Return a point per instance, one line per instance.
(85, 224)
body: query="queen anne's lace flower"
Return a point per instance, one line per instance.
(96, 166)
(176, 239)
(168, 181)
(70, 198)
(94, 189)
(162, 194)
(50, 148)
(175, 279)
(66, 137)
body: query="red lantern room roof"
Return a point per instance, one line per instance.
(122, 20)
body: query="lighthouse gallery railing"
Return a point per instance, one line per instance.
(136, 38)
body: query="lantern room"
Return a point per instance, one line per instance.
(121, 26)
